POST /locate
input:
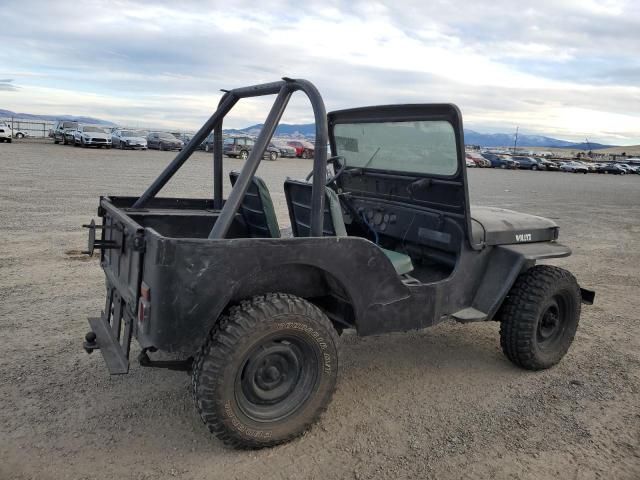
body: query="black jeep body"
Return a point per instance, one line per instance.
(377, 249)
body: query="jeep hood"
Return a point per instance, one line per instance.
(498, 226)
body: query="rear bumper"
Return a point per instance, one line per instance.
(113, 343)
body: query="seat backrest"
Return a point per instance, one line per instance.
(298, 195)
(257, 209)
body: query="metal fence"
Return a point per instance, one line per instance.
(33, 129)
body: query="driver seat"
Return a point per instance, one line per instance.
(298, 195)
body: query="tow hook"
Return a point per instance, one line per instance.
(90, 343)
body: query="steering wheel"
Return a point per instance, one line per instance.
(338, 169)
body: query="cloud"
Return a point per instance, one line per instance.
(568, 68)
(7, 86)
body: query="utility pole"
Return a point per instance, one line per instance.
(515, 141)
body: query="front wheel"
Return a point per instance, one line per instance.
(273, 156)
(267, 371)
(539, 317)
(244, 154)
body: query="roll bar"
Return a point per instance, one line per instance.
(284, 89)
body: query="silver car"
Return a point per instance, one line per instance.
(125, 139)
(91, 136)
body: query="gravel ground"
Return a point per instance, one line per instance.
(440, 403)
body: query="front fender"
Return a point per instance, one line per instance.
(505, 263)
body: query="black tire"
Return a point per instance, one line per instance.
(121, 145)
(539, 317)
(206, 147)
(19, 135)
(503, 166)
(239, 379)
(84, 145)
(306, 154)
(56, 142)
(273, 156)
(244, 154)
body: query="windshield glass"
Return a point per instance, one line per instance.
(69, 125)
(167, 136)
(413, 147)
(129, 133)
(92, 129)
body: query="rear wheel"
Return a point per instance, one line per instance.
(306, 154)
(267, 371)
(19, 135)
(244, 154)
(273, 156)
(539, 317)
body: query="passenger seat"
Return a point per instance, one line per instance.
(257, 209)
(298, 195)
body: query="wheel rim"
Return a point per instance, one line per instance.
(552, 323)
(276, 378)
(243, 155)
(273, 156)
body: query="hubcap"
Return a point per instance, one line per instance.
(551, 325)
(276, 378)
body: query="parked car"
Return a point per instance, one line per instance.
(207, 145)
(91, 136)
(240, 147)
(286, 151)
(185, 137)
(163, 141)
(498, 161)
(5, 133)
(528, 163)
(590, 166)
(478, 159)
(303, 149)
(549, 165)
(573, 167)
(629, 168)
(613, 169)
(64, 131)
(125, 139)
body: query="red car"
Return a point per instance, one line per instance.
(303, 149)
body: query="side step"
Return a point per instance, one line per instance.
(469, 314)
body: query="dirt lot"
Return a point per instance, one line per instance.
(440, 403)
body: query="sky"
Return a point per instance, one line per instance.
(564, 68)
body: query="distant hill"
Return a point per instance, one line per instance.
(53, 118)
(471, 137)
(284, 129)
(308, 130)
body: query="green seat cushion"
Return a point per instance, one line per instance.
(401, 262)
(267, 205)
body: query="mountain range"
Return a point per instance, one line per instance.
(53, 118)
(307, 130)
(471, 137)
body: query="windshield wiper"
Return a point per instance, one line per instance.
(372, 157)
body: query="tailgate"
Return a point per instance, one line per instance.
(121, 255)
